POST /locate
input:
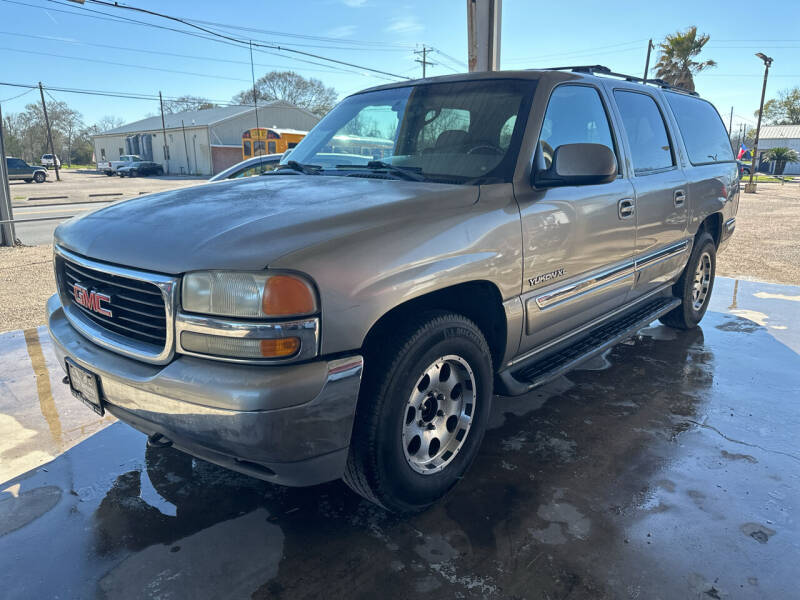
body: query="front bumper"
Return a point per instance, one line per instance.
(288, 424)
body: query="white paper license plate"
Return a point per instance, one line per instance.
(85, 386)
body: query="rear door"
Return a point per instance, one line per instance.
(578, 241)
(16, 168)
(662, 240)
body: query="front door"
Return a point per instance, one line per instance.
(578, 241)
(662, 241)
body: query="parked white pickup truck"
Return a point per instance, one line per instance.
(110, 167)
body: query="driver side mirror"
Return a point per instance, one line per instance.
(577, 164)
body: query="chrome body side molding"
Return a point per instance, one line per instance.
(611, 276)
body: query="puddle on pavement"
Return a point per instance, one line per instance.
(621, 480)
(39, 418)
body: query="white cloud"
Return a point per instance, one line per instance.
(354, 3)
(404, 25)
(342, 32)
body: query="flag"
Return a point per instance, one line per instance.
(742, 151)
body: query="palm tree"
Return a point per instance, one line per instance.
(781, 155)
(675, 64)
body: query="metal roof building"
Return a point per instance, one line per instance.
(776, 136)
(199, 142)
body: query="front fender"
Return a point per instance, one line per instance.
(364, 275)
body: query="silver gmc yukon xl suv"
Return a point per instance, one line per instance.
(428, 244)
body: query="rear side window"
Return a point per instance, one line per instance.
(646, 131)
(575, 115)
(701, 128)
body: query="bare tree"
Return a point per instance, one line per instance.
(311, 94)
(184, 103)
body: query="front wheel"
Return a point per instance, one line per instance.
(39, 177)
(422, 412)
(695, 285)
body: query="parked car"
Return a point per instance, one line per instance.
(19, 169)
(140, 168)
(744, 168)
(354, 319)
(247, 168)
(110, 167)
(48, 160)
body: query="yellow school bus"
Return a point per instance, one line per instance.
(260, 141)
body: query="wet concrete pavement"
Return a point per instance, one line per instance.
(667, 469)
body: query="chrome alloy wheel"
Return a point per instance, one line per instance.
(702, 281)
(439, 414)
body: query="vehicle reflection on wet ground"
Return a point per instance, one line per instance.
(668, 468)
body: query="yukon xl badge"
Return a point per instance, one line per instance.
(546, 277)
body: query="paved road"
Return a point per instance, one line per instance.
(41, 232)
(668, 468)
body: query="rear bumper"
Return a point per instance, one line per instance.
(288, 424)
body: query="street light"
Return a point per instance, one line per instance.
(750, 188)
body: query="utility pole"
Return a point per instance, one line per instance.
(186, 148)
(164, 132)
(483, 32)
(730, 123)
(7, 233)
(650, 47)
(255, 103)
(49, 133)
(750, 188)
(424, 62)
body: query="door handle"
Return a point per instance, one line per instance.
(625, 208)
(679, 198)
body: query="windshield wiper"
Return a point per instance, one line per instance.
(296, 166)
(409, 173)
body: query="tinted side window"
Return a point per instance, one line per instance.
(701, 128)
(647, 134)
(575, 115)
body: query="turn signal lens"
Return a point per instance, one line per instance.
(287, 295)
(280, 348)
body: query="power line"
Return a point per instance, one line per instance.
(241, 41)
(82, 11)
(119, 64)
(17, 96)
(112, 94)
(325, 68)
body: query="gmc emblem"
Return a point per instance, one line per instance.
(91, 299)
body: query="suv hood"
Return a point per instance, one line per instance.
(249, 223)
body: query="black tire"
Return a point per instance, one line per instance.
(378, 467)
(39, 177)
(159, 171)
(692, 308)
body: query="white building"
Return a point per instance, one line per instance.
(777, 136)
(199, 142)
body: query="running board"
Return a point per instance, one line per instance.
(538, 371)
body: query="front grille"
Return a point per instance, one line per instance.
(137, 307)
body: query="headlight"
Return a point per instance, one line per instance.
(248, 295)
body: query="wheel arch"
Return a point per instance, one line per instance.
(712, 225)
(478, 300)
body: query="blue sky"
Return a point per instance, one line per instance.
(56, 42)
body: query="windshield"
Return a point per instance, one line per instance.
(449, 132)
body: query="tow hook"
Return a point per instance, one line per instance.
(158, 441)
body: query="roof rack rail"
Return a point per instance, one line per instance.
(603, 70)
